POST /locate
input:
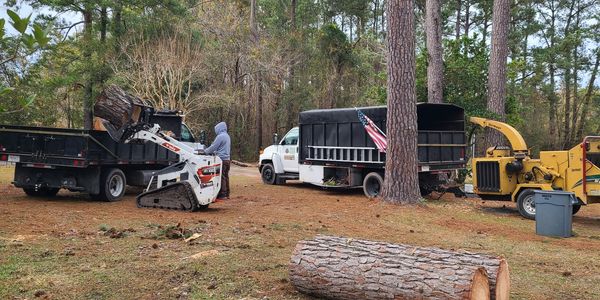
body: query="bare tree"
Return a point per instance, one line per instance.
(161, 70)
(497, 68)
(401, 183)
(435, 72)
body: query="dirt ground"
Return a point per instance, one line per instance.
(70, 247)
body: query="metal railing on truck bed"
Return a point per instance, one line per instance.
(337, 137)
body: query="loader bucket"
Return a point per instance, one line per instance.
(120, 112)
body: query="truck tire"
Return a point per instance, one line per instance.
(268, 175)
(372, 185)
(42, 192)
(112, 185)
(526, 204)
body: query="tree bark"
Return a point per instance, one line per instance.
(293, 15)
(258, 79)
(497, 68)
(341, 268)
(587, 99)
(458, 13)
(117, 106)
(467, 25)
(435, 73)
(401, 184)
(88, 102)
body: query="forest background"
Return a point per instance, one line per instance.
(256, 63)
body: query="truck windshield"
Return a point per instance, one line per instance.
(291, 138)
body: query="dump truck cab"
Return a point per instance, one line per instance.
(281, 158)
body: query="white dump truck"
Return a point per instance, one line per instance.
(330, 148)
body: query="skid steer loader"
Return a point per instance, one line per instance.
(190, 184)
(510, 172)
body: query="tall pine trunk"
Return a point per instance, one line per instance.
(457, 25)
(587, 100)
(435, 72)
(401, 184)
(88, 101)
(258, 79)
(497, 68)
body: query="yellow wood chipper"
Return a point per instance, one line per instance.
(510, 172)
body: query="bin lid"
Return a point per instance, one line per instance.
(554, 197)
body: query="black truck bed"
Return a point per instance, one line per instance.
(441, 137)
(49, 147)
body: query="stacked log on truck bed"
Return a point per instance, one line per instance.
(341, 268)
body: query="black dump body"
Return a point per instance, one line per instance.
(441, 136)
(44, 146)
(40, 146)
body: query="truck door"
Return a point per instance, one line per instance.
(288, 151)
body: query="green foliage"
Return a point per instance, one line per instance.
(18, 23)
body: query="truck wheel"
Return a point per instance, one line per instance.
(576, 208)
(42, 192)
(372, 185)
(268, 174)
(112, 185)
(526, 204)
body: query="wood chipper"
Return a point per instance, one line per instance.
(510, 172)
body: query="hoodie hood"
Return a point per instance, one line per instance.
(220, 128)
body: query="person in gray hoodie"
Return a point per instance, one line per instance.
(221, 147)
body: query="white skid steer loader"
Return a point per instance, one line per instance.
(191, 184)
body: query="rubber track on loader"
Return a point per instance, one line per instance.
(178, 196)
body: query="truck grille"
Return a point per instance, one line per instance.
(488, 176)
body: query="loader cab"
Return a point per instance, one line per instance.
(186, 134)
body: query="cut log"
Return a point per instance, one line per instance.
(117, 106)
(341, 268)
(243, 164)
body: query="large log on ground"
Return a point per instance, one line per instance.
(341, 268)
(117, 106)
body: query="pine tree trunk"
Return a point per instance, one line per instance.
(497, 68)
(401, 184)
(458, 13)
(88, 102)
(467, 25)
(258, 78)
(435, 73)
(587, 99)
(341, 268)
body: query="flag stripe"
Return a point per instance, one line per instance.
(376, 135)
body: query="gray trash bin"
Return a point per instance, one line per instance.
(554, 213)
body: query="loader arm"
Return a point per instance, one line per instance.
(515, 139)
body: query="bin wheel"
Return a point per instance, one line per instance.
(372, 185)
(526, 204)
(576, 208)
(41, 192)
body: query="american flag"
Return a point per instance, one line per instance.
(378, 137)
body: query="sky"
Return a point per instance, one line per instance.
(23, 10)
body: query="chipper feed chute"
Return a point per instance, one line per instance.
(191, 184)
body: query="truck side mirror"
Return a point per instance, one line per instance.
(202, 137)
(275, 139)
